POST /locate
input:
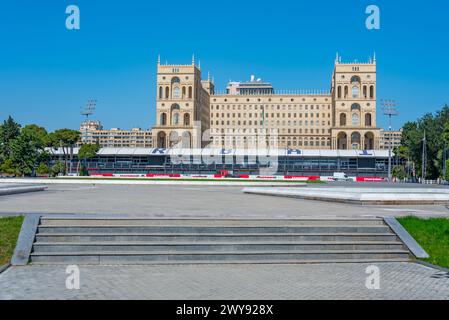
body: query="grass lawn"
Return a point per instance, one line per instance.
(432, 235)
(9, 232)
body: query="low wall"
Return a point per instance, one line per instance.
(4, 191)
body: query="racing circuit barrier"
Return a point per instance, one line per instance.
(238, 176)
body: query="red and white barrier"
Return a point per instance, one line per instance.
(370, 179)
(238, 176)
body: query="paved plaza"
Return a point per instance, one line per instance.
(232, 282)
(194, 201)
(307, 281)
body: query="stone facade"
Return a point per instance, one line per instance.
(182, 106)
(344, 118)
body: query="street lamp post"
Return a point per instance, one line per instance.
(389, 109)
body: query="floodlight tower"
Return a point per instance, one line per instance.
(89, 108)
(87, 111)
(389, 109)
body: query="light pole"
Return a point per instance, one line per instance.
(424, 158)
(444, 160)
(389, 109)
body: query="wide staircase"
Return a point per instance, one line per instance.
(178, 241)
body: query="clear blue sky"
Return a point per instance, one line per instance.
(47, 72)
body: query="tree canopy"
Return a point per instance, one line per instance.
(434, 127)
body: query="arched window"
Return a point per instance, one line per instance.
(355, 140)
(355, 107)
(339, 92)
(176, 119)
(355, 79)
(190, 92)
(187, 119)
(167, 92)
(355, 119)
(346, 91)
(368, 120)
(163, 119)
(343, 119)
(176, 92)
(371, 92)
(160, 93)
(186, 140)
(161, 139)
(183, 92)
(342, 141)
(365, 92)
(355, 92)
(174, 138)
(369, 141)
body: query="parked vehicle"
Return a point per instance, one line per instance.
(341, 176)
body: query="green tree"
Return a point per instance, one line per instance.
(7, 167)
(9, 131)
(434, 127)
(24, 153)
(87, 151)
(43, 169)
(39, 134)
(399, 172)
(41, 140)
(57, 168)
(65, 139)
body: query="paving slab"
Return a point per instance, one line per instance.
(193, 201)
(230, 282)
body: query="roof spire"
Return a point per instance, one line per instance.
(374, 56)
(193, 59)
(336, 58)
(199, 64)
(158, 59)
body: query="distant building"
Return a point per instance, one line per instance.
(250, 115)
(252, 87)
(92, 132)
(393, 136)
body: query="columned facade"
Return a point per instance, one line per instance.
(182, 106)
(354, 105)
(344, 118)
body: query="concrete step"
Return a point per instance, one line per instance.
(236, 237)
(156, 241)
(224, 262)
(213, 229)
(50, 221)
(212, 246)
(105, 257)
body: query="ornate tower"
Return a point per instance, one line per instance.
(182, 106)
(354, 106)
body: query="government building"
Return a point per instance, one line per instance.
(254, 115)
(250, 127)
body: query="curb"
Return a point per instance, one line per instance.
(21, 189)
(433, 266)
(406, 238)
(25, 241)
(4, 268)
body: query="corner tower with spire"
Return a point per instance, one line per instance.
(354, 103)
(182, 105)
